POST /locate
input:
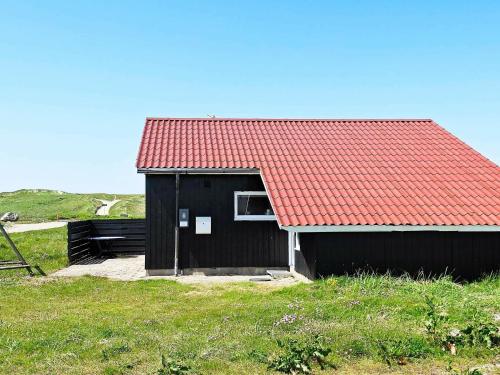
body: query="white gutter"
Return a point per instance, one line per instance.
(390, 228)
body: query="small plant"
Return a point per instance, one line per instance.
(482, 334)
(384, 353)
(286, 319)
(355, 349)
(119, 369)
(115, 350)
(452, 339)
(170, 366)
(435, 318)
(474, 334)
(299, 357)
(258, 356)
(401, 350)
(353, 303)
(295, 305)
(468, 371)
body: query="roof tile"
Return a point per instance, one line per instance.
(332, 172)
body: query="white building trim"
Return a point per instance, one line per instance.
(390, 228)
(198, 170)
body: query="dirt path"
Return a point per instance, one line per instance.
(106, 206)
(18, 228)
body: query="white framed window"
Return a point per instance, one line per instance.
(252, 206)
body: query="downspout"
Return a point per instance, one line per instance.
(176, 234)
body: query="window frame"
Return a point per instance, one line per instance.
(251, 217)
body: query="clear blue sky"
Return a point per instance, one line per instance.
(77, 79)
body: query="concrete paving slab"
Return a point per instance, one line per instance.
(130, 268)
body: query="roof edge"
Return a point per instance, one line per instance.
(390, 228)
(288, 119)
(198, 170)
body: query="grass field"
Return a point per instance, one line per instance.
(371, 324)
(47, 205)
(132, 205)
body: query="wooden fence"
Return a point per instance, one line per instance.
(80, 247)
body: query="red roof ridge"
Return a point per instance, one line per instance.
(289, 119)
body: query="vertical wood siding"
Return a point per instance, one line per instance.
(231, 243)
(160, 221)
(464, 255)
(305, 263)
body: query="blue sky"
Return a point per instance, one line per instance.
(77, 79)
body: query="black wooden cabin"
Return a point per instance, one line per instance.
(318, 197)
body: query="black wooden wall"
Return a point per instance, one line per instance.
(231, 243)
(160, 221)
(466, 255)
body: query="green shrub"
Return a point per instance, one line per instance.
(480, 333)
(468, 371)
(298, 357)
(401, 350)
(476, 333)
(435, 317)
(170, 366)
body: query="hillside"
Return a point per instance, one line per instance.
(46, 205)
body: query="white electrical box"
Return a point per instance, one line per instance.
(203, 225)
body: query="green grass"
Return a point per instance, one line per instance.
(97, 326)
(132, 206)
(46, 205)
(46, 248)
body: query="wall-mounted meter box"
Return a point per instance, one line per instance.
(183, 217)
(203, 225)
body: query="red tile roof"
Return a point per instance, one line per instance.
(339, 172)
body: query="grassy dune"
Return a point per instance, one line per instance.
(371, 324)
(131, 205)
(46, 205)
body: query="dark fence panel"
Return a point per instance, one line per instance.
(81, 248)
(134, 231)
